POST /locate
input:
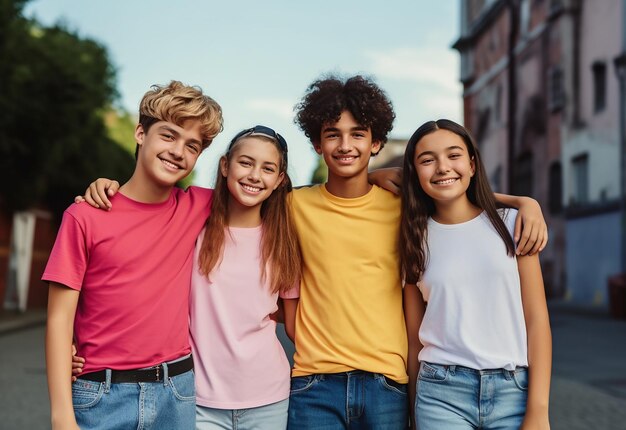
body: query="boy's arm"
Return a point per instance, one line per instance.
(539, 343)
(98, 193)
(531, 231)
(289, 307)
(62, 302)
(414, 308)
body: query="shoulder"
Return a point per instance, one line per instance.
(386, 197)
(193, 192)
(508, 215)
(305, 193)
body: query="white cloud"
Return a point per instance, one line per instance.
(282, 108)
(424, 66)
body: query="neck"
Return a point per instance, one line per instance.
(243, 216)
(145, 191)
(348, 188)
(455, 211)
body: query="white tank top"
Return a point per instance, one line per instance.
(474, 316)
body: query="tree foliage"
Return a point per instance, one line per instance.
(55, 88)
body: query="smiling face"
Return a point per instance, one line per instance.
(346, 147)
(252, 172)
(168, 152)
(443, 165)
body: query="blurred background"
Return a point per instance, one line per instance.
(540, 83)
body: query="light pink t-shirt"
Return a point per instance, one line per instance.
(239, 362)
(132, 266)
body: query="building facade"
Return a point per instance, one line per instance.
(541, 97)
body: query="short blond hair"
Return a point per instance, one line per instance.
(178, 103)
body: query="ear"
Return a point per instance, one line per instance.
(318, 147)
(279, 181)
(472, 166)
(139, 134)
(376, 145)
(224, 166)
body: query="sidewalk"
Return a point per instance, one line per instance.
(11, 321)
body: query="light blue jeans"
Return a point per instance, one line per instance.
(460, 398)
(267, 417)
(348, 400)
(170, 404)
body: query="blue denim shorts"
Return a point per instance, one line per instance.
(266, 417)
(460, 398)
(170, 404)
(350, 400)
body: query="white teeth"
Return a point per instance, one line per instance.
(251, 189)
(172, 165)
(445, 182)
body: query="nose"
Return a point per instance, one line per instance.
(344, 144)
(177, 148)
(254, 174)
(443, 166)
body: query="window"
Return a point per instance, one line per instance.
(555, 190)
(580, 188)
(599, 86)
(555, 89)
(524, 17)
(523, 175)
(496, 180)
(497, 112)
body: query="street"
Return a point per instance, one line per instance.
(588, 385)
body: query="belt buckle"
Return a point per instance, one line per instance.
(158, 376)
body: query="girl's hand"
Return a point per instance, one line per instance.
(98, 193)
(531, 231)
(535, 422)
(77, 364)
(389, 178)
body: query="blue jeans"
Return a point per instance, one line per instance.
(170, 404)
(459, 398)
(266, 417)
(347, 400)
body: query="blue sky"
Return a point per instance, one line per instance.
(257, 58)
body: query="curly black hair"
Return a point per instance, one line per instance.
(325, 100)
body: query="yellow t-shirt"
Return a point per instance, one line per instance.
(350, 312)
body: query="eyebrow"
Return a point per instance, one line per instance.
(358, 128)
(449, 148)
(254, 159)
(177, 134)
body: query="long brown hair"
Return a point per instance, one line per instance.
(280, 249)
(417, 206)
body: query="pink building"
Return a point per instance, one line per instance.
(541, 96)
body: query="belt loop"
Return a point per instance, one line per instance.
(107, 382)
(165, 374)
(452, 369)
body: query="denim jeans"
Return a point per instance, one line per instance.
(459, 398)
(266, 417)
(348, 400)
(170, 404)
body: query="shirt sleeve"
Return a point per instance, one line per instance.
(68, 260)
(292, 293)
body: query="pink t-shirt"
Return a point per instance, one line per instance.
(132, 266)
(239, 361)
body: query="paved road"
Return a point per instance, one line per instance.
(588, 390)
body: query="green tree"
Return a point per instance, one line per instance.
(320, 174)
(56, 87)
